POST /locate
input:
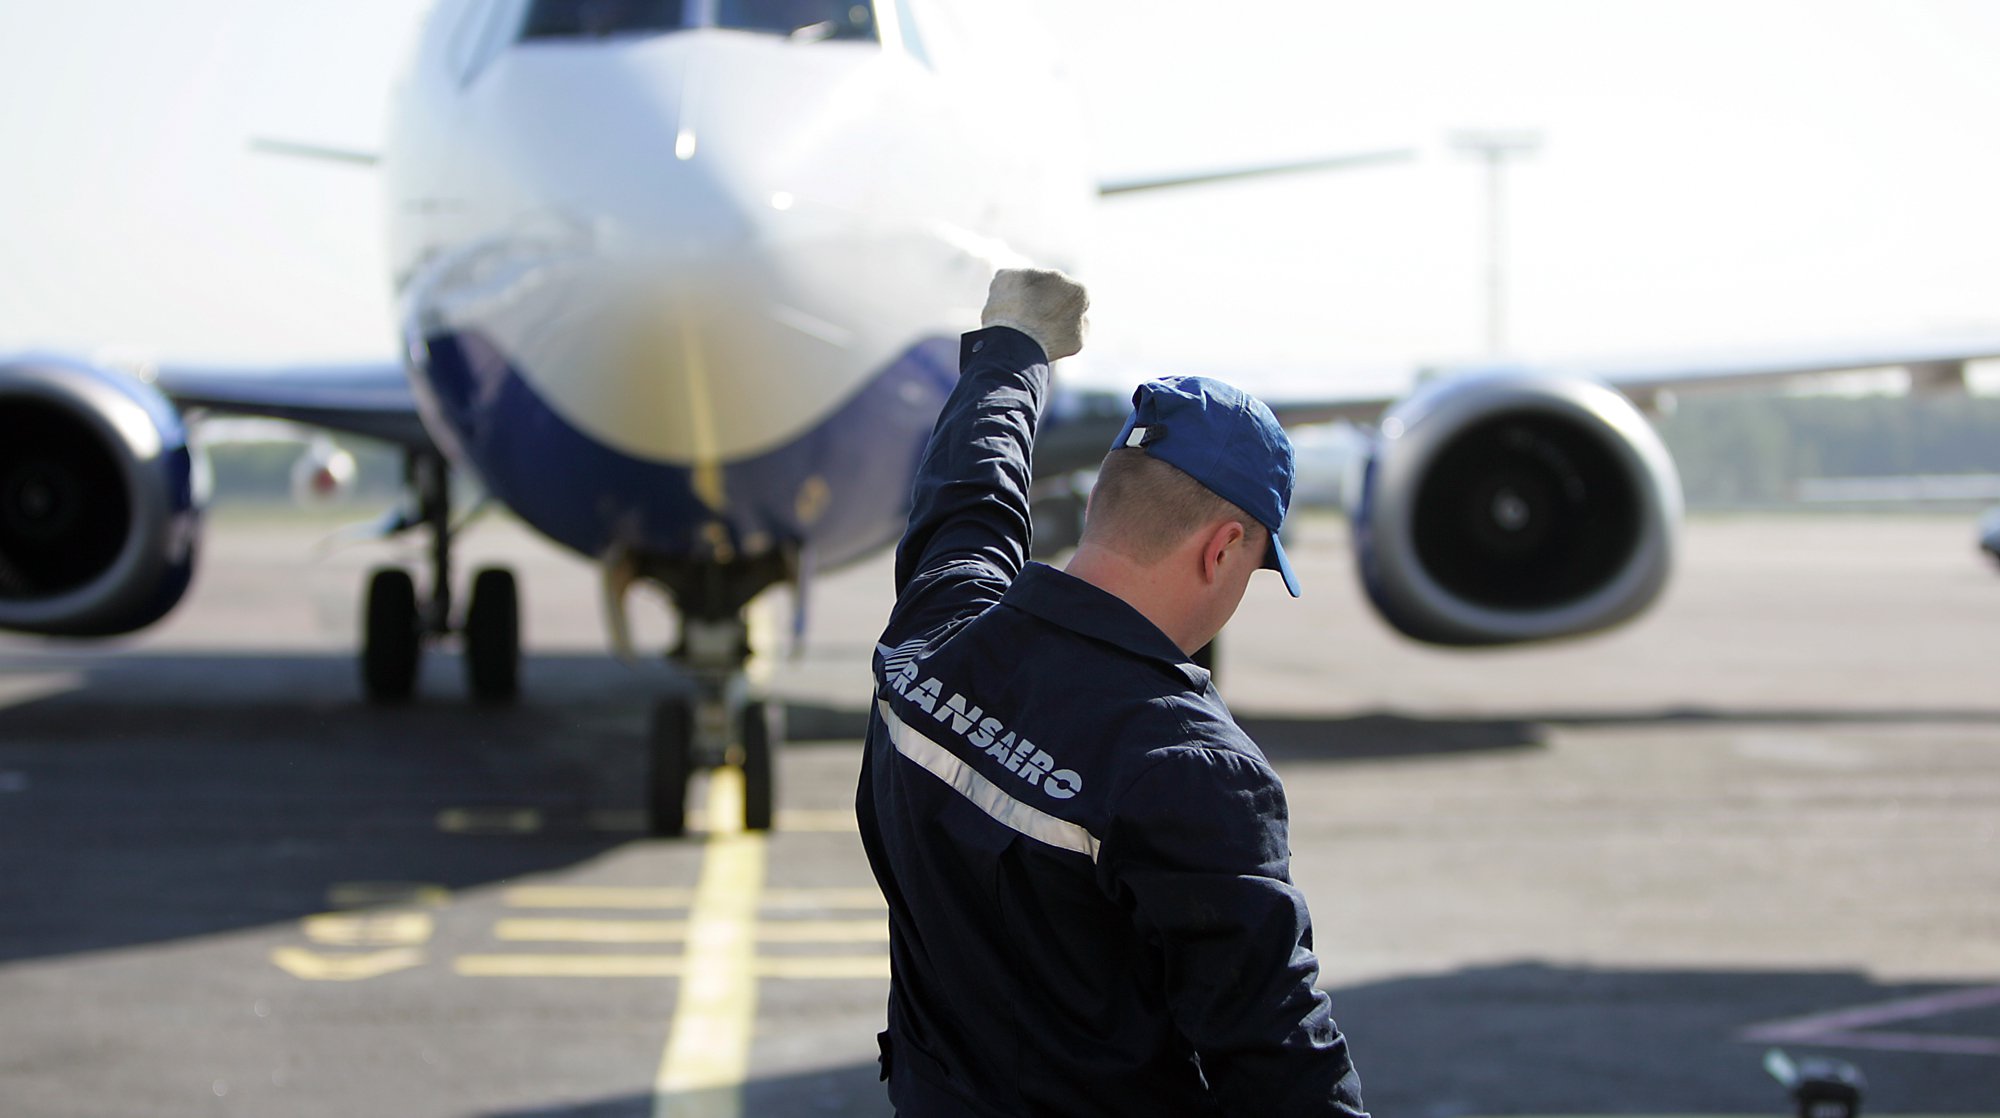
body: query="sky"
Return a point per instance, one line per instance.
(1712, 175)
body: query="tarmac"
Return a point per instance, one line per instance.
(1600, 877)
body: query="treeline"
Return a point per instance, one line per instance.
(1754, 450)
(1732, 449)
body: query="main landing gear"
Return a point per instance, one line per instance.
(718, 721)
(396, 622)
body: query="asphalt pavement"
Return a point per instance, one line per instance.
(1603, 877)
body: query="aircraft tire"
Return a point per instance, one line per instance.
(670, 749)
(763, 728)
(391, 640)
(493, 637)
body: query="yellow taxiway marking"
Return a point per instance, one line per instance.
(314, 967)
(708, 1046)
(794, 821)
(616, 896)
(825, 931)
(368, 929)
(380, 914)
(625, 821)
(800, 967)
(570, 966)
(808, 966)
(810, 821)
(676, 931)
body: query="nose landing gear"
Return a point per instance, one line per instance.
(719, 721)
(684, 738)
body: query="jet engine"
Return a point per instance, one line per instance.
(99, 511)
(1509, 507)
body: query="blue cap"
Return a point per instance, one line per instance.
(1224, 438)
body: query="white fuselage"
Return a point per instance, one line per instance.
(653, 285)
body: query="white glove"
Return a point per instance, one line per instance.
(1045, 305)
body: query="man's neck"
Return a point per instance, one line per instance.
(1146, 588)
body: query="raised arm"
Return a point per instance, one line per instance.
(969, 527)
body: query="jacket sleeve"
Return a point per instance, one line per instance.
(969, 531)
(1197, 850)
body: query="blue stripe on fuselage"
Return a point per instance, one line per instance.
(842, 488)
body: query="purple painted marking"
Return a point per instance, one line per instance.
(1840, 1028)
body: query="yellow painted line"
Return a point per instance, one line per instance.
(676, 931)
(489, 820)
(869, 897)
(630, 897)
(807, 966)
(824, 931)
(708, 1047)
(596, 896)
(800, 967)
(591, 931)
(796, 821)
(315, 967)
(570, 966)
(383, 894)
(368, 929)
(810, 821)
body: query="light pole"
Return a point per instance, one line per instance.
(1494, 147)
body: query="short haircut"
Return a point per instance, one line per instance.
(1143, 508)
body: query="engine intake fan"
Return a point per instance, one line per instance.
(1508, 507)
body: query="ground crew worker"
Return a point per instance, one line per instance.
(1085, 859)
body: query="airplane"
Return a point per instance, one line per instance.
(679, 284)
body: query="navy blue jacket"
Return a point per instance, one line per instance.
(1085, 859)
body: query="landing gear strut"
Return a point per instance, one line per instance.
(720, 722)
(396, 622)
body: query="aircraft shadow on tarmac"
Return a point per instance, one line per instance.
(1385, 735)
(1536, 1039)
(152, 796)
(171, 796)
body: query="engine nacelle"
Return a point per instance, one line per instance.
(99, 512)
(1509, 507)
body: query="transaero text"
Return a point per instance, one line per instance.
(987, 734)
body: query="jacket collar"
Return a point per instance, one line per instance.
(1064, 600)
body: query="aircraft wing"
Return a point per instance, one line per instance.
(1934, 363)
(366, 398)
(1078, 432)
(1342, 162)
(1083, 423)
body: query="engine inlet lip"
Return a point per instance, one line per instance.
(111, 407)
(1416, 431)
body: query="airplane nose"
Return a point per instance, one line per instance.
(676, 272)
(611, 136)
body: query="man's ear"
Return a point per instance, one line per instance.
(1218, 542)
